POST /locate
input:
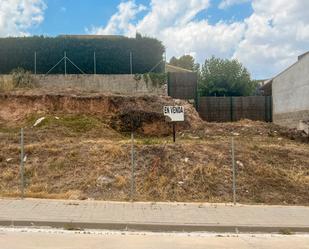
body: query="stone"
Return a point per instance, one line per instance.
(105, 180)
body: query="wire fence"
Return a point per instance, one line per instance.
(50, 161)
(65, 60)
(36, 163)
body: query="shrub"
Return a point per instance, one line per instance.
(22, 78)
(6, 85)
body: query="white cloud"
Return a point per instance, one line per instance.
(276, 33)
(266, 42)
(173, 22)
(175, 26)
(120, 21)
(170, 13)
(224, 4)
(202, 39)
(17, 16)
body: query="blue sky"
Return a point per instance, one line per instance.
(75, 16)
(266, 36)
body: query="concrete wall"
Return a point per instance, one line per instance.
(120, 83)
(291, 94)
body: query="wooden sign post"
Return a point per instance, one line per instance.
(175, 114)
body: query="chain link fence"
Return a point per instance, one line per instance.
(68, 163)
(38, 164)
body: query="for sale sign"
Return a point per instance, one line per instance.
(175, 113)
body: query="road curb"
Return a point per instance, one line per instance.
(153, 227)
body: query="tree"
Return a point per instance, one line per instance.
(186, 62)
(223, 77)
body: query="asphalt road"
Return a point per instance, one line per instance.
(56, 239)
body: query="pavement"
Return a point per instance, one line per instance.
(140, 216)
(114, 240)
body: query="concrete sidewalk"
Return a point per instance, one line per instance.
(153, 216)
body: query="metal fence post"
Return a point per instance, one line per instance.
(94, 63)
(234, 172)
(231, 109)
(271, 108)
(196, 100)
(35, 63)
(131, 63)
(132, 167)
(168, 84)
(65, 63)
(22, 163)
(266, 109)
(174, 132)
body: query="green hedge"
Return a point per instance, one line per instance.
(112, 54)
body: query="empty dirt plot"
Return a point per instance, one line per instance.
(82, 150)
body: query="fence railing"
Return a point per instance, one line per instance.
(229, 109)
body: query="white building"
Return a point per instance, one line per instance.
(290, 91)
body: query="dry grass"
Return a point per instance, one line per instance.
(120, 182)
(9, 175)
(268, 170)
(40, 195)
(5, 85)
(78, 156)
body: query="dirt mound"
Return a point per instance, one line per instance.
(145, 113)
(81, 151)
(296, 135)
